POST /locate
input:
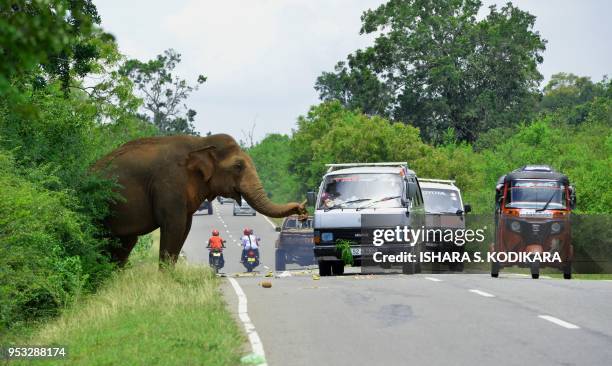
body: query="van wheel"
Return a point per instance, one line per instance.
(456, 267)
(494, 269)
(338, 268)
(325, 268)
(280, 260)
(408, 268)
(535, 270)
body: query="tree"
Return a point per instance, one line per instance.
(434, 65)
(59, 42)
(164, 93)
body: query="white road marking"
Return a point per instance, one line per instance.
(270, 222)
(433, 279)
(482, 293)
(559, 322)
(254, 339)
(224, 224)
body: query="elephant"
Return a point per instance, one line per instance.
(163, 181)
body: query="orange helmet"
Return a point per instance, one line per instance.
(246, 231)
(215, 232)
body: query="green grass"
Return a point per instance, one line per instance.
(145, 316)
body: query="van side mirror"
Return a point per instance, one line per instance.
(278, 229)
(467, 208)
(310, 198)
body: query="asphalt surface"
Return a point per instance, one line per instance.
(424, 319)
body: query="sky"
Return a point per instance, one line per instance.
(262, 57)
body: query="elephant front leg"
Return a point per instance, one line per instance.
(172, 239)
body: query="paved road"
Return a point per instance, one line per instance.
(443, 319)
(230, 228)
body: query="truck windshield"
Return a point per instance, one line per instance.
(355, 190)
(535, 194)
(441, 200)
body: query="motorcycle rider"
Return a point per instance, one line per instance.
(249, 241)
(216, 243)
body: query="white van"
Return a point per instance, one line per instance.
(387, 192)
(444, 209)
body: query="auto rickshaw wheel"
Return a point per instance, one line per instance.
(494, 269)
(535, 270)
(567, 271)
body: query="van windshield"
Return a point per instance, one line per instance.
(356, 190)
(534, 194)
(439, 200)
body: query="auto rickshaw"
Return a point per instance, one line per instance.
(532, 219)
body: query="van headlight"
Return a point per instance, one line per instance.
(326, 237)
(515, 226)
(555, 227)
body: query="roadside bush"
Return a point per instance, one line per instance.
(51, 204)
(49, 254)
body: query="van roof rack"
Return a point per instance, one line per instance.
(451, 182)
(332, 167)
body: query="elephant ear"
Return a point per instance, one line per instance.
(202, 160)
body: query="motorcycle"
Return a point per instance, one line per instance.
(250, 259)
(216, 260)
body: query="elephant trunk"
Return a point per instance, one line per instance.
(254, 193)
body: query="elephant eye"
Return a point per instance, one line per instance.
(238, 166)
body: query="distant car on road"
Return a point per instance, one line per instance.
(243, 209)
(223, 200)
(294, 244)
(205, 206)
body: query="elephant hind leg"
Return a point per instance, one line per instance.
(120, 253)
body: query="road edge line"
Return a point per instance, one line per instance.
(269, 221)
(254, 340)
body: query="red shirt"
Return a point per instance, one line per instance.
(215, 242)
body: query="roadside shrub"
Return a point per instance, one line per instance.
(49, 254)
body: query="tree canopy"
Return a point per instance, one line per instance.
(163, 92)
(434, 65)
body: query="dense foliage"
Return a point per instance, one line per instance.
(331, 133)
(54, 123)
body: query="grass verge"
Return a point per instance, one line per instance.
(145, 316)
